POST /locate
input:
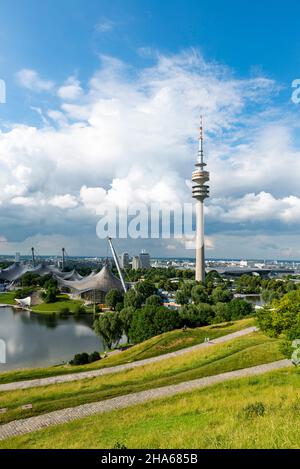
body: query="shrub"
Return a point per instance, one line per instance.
(94, 356)
(80, 359)
(254, 410)
(85, 358)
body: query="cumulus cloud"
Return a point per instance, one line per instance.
(70, 90)
(131, 136)
(30, 79)
(254, 208)
(63, 201)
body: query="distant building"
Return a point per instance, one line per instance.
(145, 260)
(17, 257)
(142, 261)
(136, 262)
(124, 260)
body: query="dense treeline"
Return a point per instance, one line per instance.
(139, 313)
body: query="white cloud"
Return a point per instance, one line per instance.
(131, 136)
(70, 90)
(30, 79)
(63, 201)
(253, 208)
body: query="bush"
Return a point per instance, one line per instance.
(254, 410)
(85, 358)
(94, 356)
(80, 359)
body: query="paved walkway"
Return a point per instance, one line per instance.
(32, 424)
(115, 369)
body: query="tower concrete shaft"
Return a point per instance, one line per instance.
(200, 192)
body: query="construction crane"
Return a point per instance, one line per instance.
(116, 259)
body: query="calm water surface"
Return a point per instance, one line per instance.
(34, 340)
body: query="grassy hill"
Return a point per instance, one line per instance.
(256, 412)
(164, 343)
(243, 352)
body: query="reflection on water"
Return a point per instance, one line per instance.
(34, 340)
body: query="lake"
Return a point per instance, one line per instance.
(38, 340)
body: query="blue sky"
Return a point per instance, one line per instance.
(104, 94)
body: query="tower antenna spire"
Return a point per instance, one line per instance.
(200, 161)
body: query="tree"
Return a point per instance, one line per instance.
(154, 300)
(166, 320)
(133, 299)
(113, 297)
(145, 289)
(221, 295)
(248, 284)
(199, 294)
(142, 325)
(181, 297)
(196, 315)
(126, 318)
(238, 308)
(222, 313)
(152, 320)
(29, 279)
(50, 295)
(282, 316)
(109, 326)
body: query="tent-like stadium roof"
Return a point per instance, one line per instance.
(104, 281)
(15, 271)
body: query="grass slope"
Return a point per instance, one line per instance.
(7, 298)
(239, 353)
(215, 417)
(164, 343)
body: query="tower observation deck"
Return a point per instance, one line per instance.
(200, 192)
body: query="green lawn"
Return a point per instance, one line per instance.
(216, 417)
(242, 352)
(164, 343)
(63, 301)
(7, 298)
